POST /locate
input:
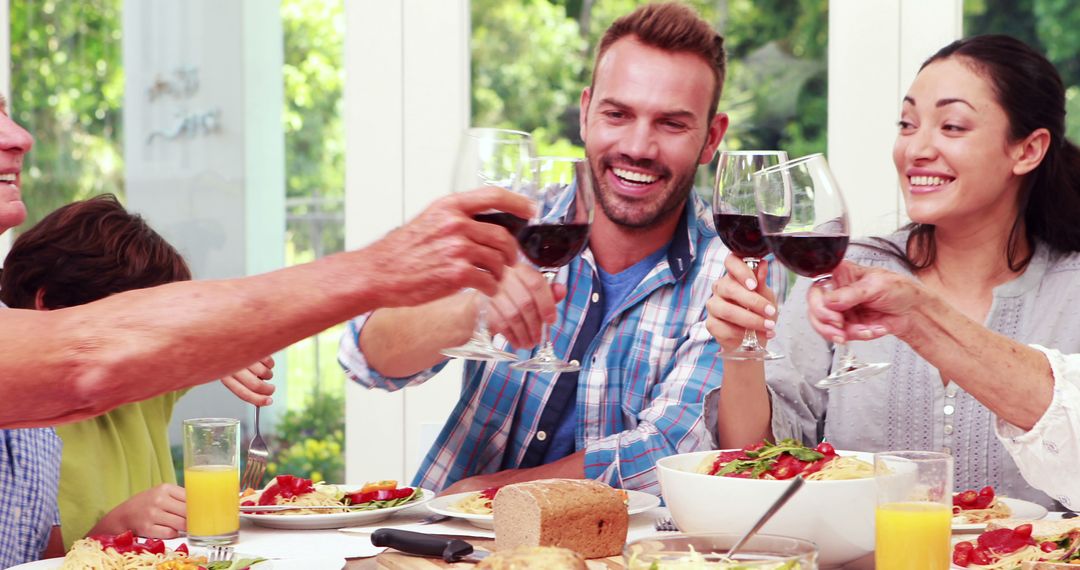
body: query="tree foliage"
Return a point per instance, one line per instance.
(531, 58)
(67, 86)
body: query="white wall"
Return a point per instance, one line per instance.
(407, 102)
(875, 49)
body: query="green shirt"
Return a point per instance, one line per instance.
(110, 458)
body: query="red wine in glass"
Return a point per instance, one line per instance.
(808, 254)
(741, 233)
(512, 223)
(551, 246)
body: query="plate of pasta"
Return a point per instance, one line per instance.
(130, 552)
(475, 507)
(972, 509)
(310, 505)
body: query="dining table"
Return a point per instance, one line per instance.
(351, 548)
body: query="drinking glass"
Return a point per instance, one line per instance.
(805, 223)
(490, 157)
(212, 480)
(736, 220)
(760, 552)
(563, 191)
(914, 510)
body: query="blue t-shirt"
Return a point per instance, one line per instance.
(616, 288)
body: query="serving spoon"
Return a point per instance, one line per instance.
(793, 488)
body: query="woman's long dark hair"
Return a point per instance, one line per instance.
(1031, 92)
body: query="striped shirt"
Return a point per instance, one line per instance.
(29, 477)
(639, 393)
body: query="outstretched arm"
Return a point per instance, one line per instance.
(69, 364)
(1011, 379)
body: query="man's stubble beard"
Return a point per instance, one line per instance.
(625, 213)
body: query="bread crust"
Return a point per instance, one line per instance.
(534, 558)
(586, 516)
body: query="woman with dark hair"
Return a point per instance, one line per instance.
(116, 470)
(993, 191)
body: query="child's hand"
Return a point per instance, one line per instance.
(250, 384)
(158, 512)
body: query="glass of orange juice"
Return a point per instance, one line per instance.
(212, 480)
(914, 510)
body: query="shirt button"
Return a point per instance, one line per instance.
(541, 435)
(951, 392)
(948, 429)
(1051, 447)
(946, 450)
(949, 409)
(596, 297)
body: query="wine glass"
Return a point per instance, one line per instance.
(805, 223)
(490, 157)
(563, 191)
(736, 219)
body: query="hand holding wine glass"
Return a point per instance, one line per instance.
(563, 190)
(490, 157)
(805, 222)
(736, 220)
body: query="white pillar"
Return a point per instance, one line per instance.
(204, 146)
(875, 49)
(407, 101)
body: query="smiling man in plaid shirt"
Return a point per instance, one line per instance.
(634, 309)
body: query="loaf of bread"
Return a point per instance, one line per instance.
(534, 558)
(586, 516)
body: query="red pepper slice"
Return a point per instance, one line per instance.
(285, 486)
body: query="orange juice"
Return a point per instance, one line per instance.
(913, 536)
(213, 504)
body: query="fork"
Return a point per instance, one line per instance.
(257, 453)
(219, 553)
(665, 524)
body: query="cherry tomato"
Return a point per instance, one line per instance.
(966, 499)
(1023, 531)
(1048, 546)
(182, 548)
(964, 546)
(961, 558)
(825, 448)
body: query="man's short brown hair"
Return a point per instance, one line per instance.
(86, 251)
(675, 27)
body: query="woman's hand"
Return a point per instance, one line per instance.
(741, 301)
(250, 384)
(868, 303)
(158, 512)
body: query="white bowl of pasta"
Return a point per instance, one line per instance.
(837, 515)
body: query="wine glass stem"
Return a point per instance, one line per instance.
(750, 340)
(847, 356)
(481, 330)
(546, 348)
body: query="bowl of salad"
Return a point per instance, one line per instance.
(727, 491)
(708, 552)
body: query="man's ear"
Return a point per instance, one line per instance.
(717, 127)
(583, 116)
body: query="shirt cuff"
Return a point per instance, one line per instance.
(356, 366)
(1054, 415)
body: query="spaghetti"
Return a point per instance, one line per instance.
(90, 553)
(784, 460)
(478, 503)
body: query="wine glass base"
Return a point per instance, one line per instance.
(546, 364)
(474, 350)
(752, 354)
(852, 373)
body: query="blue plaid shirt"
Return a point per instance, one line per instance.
(639, 393)
(29, 478)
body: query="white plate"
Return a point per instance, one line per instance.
(54, 563)
(1020, 510)
(639, 503)
(332, 520)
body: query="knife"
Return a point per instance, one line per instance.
(449, 549)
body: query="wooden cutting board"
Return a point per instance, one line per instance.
(399, 561)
